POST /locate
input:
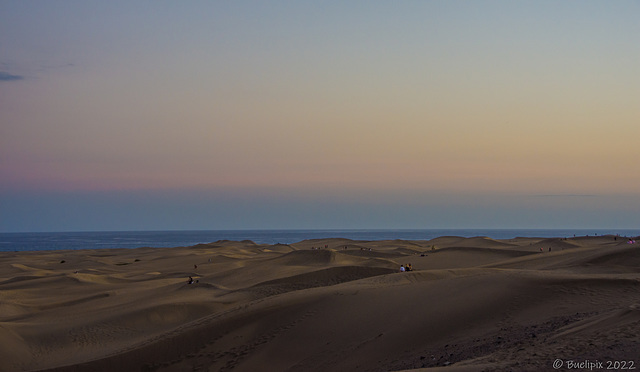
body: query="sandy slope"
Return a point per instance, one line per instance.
(470, 304)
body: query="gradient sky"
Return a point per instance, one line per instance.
(120, 115)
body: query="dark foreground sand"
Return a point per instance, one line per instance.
(469, 305)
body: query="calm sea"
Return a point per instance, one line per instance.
(134, 239)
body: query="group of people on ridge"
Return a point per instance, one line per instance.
(404, 268)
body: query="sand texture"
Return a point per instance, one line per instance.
(470, 304)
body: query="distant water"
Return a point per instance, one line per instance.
(134, 239)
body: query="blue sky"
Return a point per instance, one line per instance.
(365, 114)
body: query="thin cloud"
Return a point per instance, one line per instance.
(566, 195)
(5, 76)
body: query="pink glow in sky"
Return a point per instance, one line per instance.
(369, 106)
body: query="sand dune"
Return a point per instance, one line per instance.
(469, 304)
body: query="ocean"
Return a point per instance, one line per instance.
(13, 242)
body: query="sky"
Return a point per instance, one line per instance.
(164, 115)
